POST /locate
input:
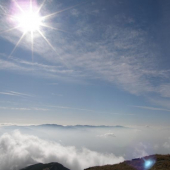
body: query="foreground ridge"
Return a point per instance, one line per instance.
(153, 162)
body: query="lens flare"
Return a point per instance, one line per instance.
(148, 164)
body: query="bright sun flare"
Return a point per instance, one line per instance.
(27, 19)
(29, 22)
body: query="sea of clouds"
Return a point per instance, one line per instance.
(19, 150)
(78, 148)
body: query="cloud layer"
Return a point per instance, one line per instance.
(18, 151)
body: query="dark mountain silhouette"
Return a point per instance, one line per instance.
(153, 162)
(50, 166)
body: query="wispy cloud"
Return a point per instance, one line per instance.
(40, 109)
(87, 110)
(24, 109)
(121, 54)
(164, 90)
(37, 69)
(13, 93)
(152, 108)
(163, 102)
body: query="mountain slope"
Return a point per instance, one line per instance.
(153, 162)
(50, 166)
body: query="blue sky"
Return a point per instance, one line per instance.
(107, 63)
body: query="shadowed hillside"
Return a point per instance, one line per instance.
(154, 162)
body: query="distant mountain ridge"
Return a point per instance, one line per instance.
(79, 126)
(68, 126)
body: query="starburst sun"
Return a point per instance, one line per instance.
(27, 19)
(30, 21)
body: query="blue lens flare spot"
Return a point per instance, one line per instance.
(148, 164)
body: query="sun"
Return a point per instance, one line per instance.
(29, 21)
(26, 17)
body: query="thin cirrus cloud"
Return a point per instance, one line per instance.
(164, 102)
(122, 55)
(87, 110)
(152, 108)
(24, 109)
(36, 69)
(13, 93)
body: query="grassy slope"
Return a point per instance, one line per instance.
(162, 163)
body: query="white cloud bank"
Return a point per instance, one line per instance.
(107, 135)
(18, 151)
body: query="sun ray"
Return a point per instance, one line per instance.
(32, 34)
(8, 15)
(11, 29)
(50, 15)
(48, 26)
(41, 6)
(18, 6)
(32, 45)
(30, 5)
(46, 40)
(17, 43)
